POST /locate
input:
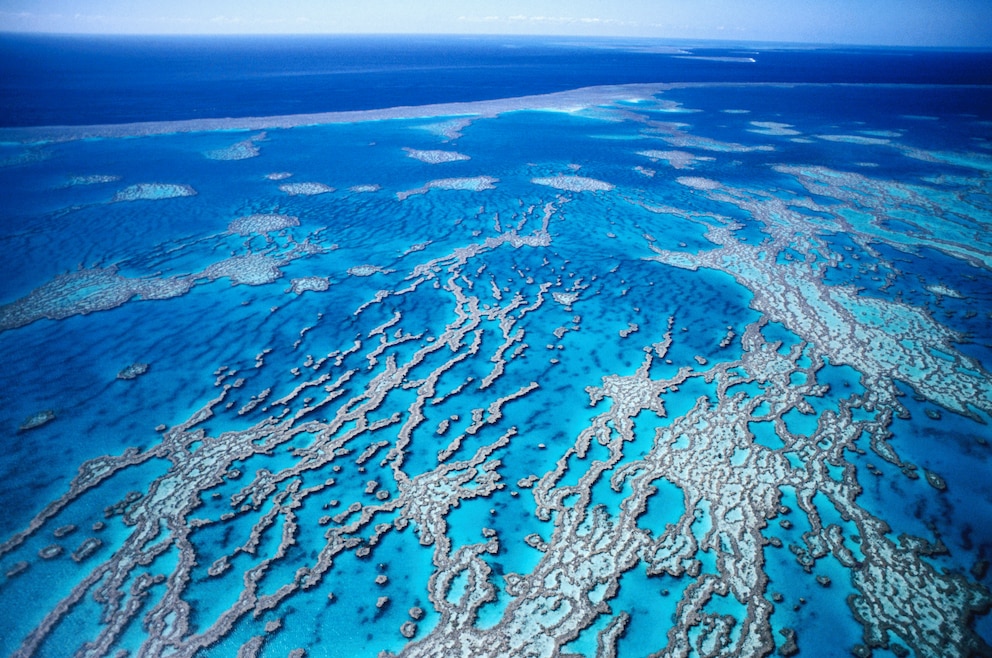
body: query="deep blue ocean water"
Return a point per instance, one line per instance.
(79, 80)
(819, 248)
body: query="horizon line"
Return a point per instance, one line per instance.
(497, 35)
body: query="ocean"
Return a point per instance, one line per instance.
(365, 346)
(79, 80)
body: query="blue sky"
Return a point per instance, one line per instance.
(882, 22)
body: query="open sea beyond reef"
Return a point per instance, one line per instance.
(363, 346)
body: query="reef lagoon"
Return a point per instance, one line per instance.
(688, 353)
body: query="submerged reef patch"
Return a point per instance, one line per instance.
(153, 192)
(473, 184)
(574, 183)
(305, 189)
(262, 223)
(239, 151)
(435, 156)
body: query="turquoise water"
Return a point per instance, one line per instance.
(429, 376)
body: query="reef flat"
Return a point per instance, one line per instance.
(668, 370)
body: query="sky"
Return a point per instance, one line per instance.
(957, 23)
